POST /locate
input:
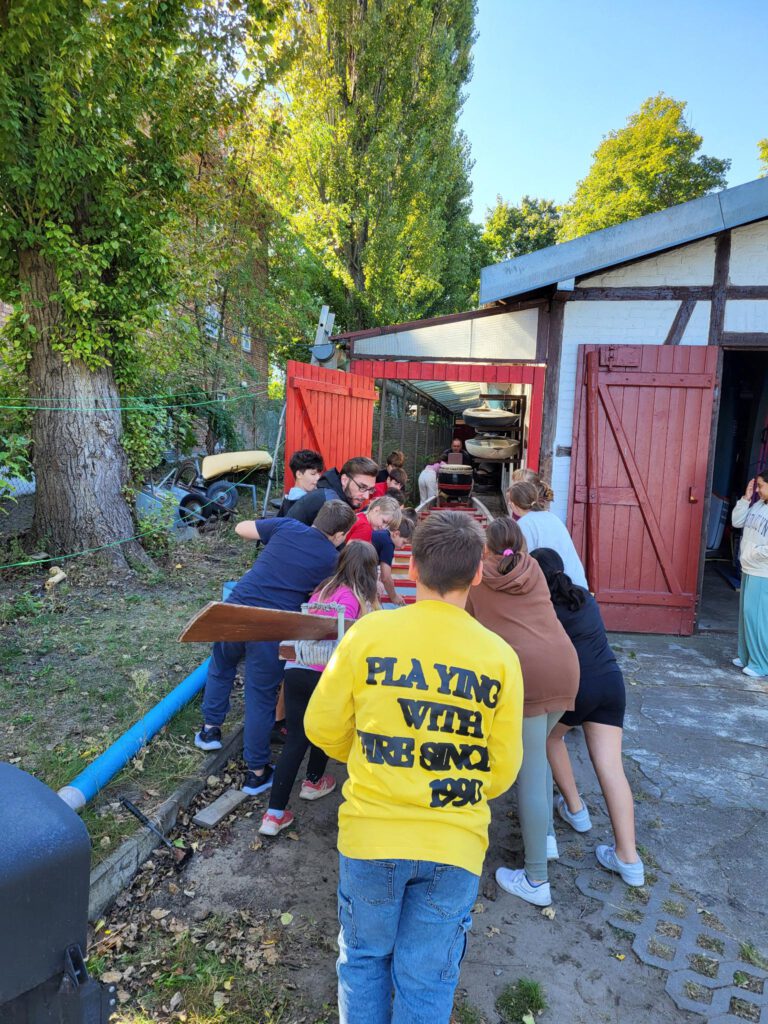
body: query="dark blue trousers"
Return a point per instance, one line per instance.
(263, 673)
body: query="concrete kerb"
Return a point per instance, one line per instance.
(112, 875)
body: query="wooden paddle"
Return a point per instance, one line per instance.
(237, 622)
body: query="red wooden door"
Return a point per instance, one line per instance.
(638, 479)
(328, 410)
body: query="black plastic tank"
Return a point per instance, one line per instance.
(44, 874)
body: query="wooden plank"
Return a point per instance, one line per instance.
(629, 597)
(714, 415)
(681, 321)
(554, 319)
(534, 422)
(662, 378)
(219, 620)
(722, 263)
(607, 495)
(744, 339)
(649, 293)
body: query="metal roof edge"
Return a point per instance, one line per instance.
(644, 236)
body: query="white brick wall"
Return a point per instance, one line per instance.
(697, 331)
(749, 255)
(634, 322)
(747, 315)
(690, 264)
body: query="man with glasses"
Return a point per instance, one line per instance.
(354, 483)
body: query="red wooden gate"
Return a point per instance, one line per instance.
(638, 479)
(328, 410)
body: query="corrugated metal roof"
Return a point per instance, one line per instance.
(456, 395)
(635, 238)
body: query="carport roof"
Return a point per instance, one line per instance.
(653, 233)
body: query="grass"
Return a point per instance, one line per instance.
(751, 955)
(466, 1014)
(83, 663)
(523, 997)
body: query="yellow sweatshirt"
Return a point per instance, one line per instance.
(425, 706)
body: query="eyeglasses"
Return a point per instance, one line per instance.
(364, 488)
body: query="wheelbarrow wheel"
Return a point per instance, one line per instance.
(223, 496)
(192, 510)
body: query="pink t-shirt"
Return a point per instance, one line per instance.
(346, 598)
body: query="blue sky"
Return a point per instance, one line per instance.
(551, 78)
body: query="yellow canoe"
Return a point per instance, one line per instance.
(234, 462)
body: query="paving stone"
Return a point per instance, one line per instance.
(211, 815)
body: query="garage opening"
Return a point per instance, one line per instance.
(422, 420)
(741, 451)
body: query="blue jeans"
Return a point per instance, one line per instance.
(404, 926)
(263, 672)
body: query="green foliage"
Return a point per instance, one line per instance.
(649, 165)
(24, 606)
(511, 231)
(523, 999)
(363, 157)
(14, 462)
(762, 150)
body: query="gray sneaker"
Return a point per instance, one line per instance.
(579, 821)
(632, 874)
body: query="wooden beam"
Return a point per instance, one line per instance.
(735, 339)
(708, 488)
(746, 291)
(647, 293)
(722, 262)
(554, 316)
(682, 318)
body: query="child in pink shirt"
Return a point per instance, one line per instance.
(351, 588)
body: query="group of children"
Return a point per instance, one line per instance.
(436, 708)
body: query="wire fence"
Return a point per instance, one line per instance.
(406, 420)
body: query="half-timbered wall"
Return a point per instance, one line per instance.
(713, 291)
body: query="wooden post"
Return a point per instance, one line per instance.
(593, 510)
(382, 420)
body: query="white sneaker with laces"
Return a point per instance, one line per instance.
(738, 663)
(632, 874)
(515, 882)
(579, 821)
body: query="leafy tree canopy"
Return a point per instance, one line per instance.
(649, 165)
(511, 231)
(762, 149)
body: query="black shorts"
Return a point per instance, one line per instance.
(600, 699)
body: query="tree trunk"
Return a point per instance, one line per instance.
(79, 462)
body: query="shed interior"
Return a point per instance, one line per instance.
(741, 451)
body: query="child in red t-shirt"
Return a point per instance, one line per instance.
(381, 514)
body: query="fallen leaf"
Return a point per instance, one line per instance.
(111, 977)
(175, 1000)
(479, 908)
(158, 913)
(548, 912)
(212, 780)
(256, 844)
(620, 956)
(528, 1019)
(123, 996)
(228, 985)
(219, 999)
(286, 918)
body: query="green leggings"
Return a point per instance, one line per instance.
(534, 793)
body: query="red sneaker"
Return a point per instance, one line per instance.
(271, 825)
(315, 790)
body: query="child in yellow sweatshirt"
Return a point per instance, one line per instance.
(425, 706)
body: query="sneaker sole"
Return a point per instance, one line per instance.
(255, 790)
(312, 795)
(282, 828)
(211, 745)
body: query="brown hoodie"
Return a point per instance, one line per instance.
(518, 608)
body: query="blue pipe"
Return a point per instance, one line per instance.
(107, 765)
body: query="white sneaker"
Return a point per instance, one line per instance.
(738, 663)
(579, 821)
(632, 874)
(752, 674)
(516, 882)
(552, 851)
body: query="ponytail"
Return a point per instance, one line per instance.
(504, 537)
(562, 589)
